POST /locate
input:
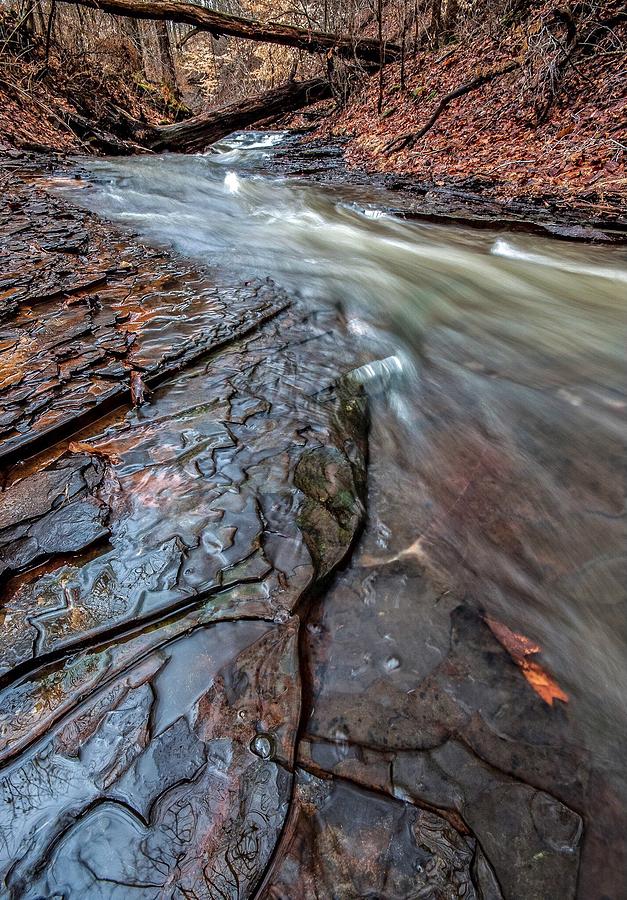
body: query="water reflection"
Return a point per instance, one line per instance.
(501, 386)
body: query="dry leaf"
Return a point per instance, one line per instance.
(564, 131)
(138, 393)
(91, 450)
(542, 683)
(520, 648)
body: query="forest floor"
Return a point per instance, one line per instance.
(55, 102)
(489, 139)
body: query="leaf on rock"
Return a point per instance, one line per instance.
(542, 683)
(92, 450)
(520, 648)
(138, 392)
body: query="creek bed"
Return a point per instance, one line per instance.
(451, 696)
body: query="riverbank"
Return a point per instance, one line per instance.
(56, 102)
(486, 160)
(526, 126)
(327, 160)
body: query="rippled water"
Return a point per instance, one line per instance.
(498, 385)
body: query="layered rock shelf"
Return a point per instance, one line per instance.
(199, 696)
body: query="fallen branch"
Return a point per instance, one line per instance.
(86, 129)
(197, 133)
(408, 140)
(218, 23)
(187, 37)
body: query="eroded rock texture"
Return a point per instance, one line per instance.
(197, 698)
(82, 310)
(412, 696)
(345, 842)
(57, 510)
(153, 564)
(154, 782)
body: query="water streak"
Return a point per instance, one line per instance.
(501, 378)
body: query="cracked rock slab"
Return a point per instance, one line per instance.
(154, 559)
(151, 689)
(221, 450)
(153, 783)
(83, 308)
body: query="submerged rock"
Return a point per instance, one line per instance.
(345, 842)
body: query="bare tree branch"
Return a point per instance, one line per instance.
(408, 140)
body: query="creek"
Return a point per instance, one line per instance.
(495, 368)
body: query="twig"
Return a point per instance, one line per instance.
(188, 36)
(408, 140)
(18, 25)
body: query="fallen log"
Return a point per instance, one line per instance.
(217, 23)
(197, 133)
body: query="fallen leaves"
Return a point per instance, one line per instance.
(520, 648)
(571, 156)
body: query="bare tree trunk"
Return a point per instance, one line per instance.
(403, 41)
(168, 72)
(131, 30)
(415, 27)
(51, 16)
(380, 35)
(450, 15)
(436, 21)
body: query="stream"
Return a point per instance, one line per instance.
(499, 363)
(494, 367)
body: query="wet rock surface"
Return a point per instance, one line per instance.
(83, 310)
(55, 511)
(220, 449)
(154, 561)
(150, 784)
(344, 842)
(461, 203)
(412, 696)
(209, 688)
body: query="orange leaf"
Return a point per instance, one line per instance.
(520, 648)
(91, 450)
(564, 131)
(542, 683)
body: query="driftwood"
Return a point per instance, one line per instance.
(408, 140)
(197, 133)
(217, 23)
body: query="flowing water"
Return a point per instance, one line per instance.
(495, 365)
